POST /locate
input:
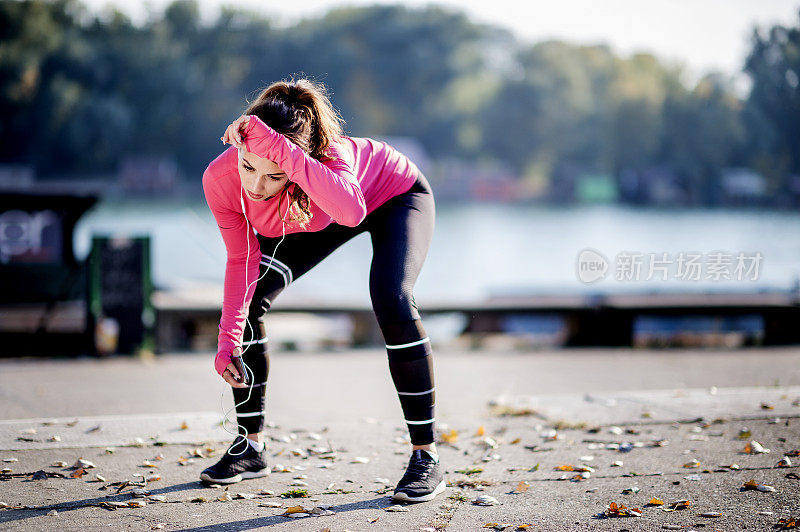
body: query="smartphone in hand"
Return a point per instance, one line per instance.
(237, 362)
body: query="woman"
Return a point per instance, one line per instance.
(293, 177)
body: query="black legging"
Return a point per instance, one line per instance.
(401, 231)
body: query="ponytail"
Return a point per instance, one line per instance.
(300, 110)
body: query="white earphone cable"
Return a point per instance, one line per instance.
(247, 344)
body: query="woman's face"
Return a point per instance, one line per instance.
(261, 178)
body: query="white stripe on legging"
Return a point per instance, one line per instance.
(410, 344)
(251, 414)
(277, 269)
(420, 422)
(279, 263)
(261, 341)
(417, 393)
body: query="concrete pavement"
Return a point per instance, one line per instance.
(516, 417)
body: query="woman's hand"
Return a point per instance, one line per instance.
(234, 371)
(233, 135)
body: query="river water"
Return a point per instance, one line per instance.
(479, 250)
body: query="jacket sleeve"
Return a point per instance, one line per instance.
(241, 269)
(332, 185)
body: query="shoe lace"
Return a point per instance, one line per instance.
(417, 467)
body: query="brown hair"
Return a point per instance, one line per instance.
(300, 110)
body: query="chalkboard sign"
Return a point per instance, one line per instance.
(37, 263)
(121, 288)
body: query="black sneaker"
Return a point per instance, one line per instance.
(423, 479)
(237, 467)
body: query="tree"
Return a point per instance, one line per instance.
(772, 111)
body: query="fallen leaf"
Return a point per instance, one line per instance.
(485, 500)
(515, 441)
(755, 448)
(522, 486)
(113, 505)
(184, 426)
(620, 510)
(449, 437)
(270, 504)
(656, 502)
(78, 473)
(488, 443)
(680, 505)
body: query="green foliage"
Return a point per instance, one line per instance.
(295, 493)
(772, 112)
(79, 91)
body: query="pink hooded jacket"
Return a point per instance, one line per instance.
(360, 175)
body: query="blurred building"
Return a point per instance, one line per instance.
(743, 186)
